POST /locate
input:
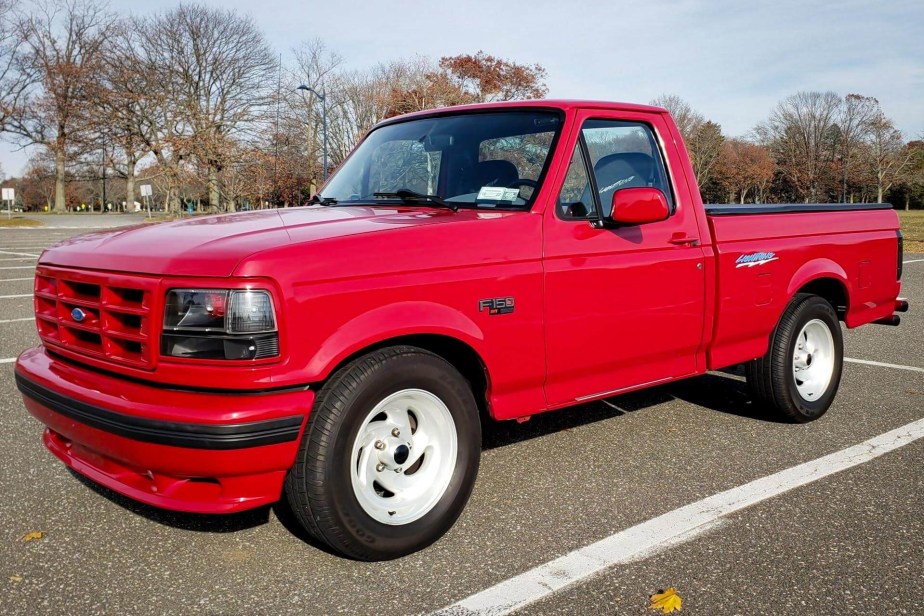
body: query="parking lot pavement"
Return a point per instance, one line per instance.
(850, 543)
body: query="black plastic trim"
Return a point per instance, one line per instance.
(733, 209)
(901, 254)
(174, 434)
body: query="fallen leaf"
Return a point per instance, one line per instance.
(36, 534)
(672, 429)
(16, 579)
(666, 601)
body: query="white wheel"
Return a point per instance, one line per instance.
(813, 360)
(404, 457)
(800, 374)
(389, 456)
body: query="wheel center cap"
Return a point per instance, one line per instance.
(401, 454)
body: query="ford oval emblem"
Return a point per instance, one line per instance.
(78, 315)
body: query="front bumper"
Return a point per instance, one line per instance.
(203, 452)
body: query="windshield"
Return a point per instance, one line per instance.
(491, 160)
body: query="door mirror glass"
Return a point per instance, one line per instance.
(637, 206)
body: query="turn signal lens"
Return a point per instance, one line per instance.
(251, 312)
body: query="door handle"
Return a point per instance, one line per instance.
(684, 240)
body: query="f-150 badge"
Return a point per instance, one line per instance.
(755, 258)
(496, 305)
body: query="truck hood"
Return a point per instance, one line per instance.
(214, 245)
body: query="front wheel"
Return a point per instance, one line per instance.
(389, 456)
(800, 374)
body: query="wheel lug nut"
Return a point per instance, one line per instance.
(395, 432)
(380, 467)
(380, 444)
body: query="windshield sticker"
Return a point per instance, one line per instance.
(498, 193)
(755, 258)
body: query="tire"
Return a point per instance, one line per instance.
(356, 486)
(799, 376)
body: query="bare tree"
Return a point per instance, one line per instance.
(121, 105)
(15, 76)
(187, 85)
(802, 134)
(61, 44)
(887, 155)
(914, 172)
(317, 68)
(221, 70)
(703, 138)
(685, 117)
(854, 120)
(704, 147)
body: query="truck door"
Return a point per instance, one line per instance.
(624, 306)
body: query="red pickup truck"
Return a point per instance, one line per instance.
(487, 261)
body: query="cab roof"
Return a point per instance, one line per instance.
(562, 104)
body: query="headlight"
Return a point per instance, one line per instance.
(219, 324)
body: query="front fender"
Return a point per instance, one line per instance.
(392, 321)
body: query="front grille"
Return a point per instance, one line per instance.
(92, 314)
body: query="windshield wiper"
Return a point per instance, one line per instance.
(322, 200)
(410, 197)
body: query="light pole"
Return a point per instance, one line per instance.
(323, 98)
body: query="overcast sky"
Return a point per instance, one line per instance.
(731, 59)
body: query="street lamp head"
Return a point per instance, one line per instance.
(310, 89)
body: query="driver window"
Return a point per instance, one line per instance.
(623, 155)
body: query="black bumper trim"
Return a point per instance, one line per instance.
(174, 434)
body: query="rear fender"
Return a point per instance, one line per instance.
(816, 269)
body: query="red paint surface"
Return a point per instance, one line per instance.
(597, 310)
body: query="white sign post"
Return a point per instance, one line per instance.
(9, 195)
(146, 194)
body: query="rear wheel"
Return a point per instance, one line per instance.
(389, 457)
(800, 374)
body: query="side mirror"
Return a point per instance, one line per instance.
(637, 206)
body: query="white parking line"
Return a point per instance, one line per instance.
(16, 279)
(21, 254)
(913, 261)
(7, 360)
(650, 537)
(15, 296)
(883, 365)
(18, 267)
(17, 320)
(16, 259)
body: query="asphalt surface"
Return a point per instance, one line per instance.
(849, 544)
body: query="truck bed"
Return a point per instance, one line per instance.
(767, 253)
